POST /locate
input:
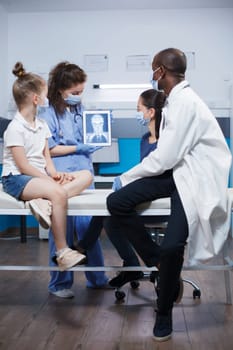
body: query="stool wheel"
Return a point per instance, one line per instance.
(196, 294)
(134, 284)
(120, 295)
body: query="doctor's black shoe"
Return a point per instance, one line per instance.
(125, 277)
(163, 327)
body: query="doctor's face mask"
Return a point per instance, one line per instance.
(155, 82)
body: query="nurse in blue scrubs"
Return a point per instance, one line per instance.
(64, 118)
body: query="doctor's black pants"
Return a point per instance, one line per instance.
(169, 256)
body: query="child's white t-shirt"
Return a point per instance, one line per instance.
(20, 133)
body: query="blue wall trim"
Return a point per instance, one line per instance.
(129, 153)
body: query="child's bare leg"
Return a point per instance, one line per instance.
(82, 180)
(42, 188)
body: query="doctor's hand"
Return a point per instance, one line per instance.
(116, 184)
(86, 149)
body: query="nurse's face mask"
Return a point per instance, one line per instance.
(72, 100)
(72, 95)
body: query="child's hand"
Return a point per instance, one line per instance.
(69, 177)
(58, 177)
(63, 178)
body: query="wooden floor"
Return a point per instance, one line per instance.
(31, 319)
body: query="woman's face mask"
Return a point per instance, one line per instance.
(141, 120)
(73, 100)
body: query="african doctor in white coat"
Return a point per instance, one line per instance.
(191, 165)
(192, 144)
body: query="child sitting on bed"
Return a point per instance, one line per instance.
(28, 171)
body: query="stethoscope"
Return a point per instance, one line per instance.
(76, 115)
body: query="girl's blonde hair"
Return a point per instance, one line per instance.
(26, 84)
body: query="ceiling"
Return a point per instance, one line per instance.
(95, 5)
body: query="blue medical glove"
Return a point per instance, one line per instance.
(95, 148)
(86, 149)
(82, 148)
(116, 184)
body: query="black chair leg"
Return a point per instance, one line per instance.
(23, 229)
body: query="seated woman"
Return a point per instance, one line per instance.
(150, 104)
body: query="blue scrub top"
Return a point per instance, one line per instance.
(67, 129)
(145, 146)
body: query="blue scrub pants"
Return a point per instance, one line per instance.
(64, 280)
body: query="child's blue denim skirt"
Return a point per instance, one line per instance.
(15, 184)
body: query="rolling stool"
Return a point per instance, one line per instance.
(157, 231)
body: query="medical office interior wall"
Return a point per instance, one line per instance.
(3, 62)
(40, 40)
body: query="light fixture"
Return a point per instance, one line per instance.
(121, 86)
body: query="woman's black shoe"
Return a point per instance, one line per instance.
(125, 277)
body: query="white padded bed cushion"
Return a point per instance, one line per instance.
(96, 199)
(9, 202)
(90, 199)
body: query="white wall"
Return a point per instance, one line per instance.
(3, 62)
(41, 40)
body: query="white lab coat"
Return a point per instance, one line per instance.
(192, 144)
